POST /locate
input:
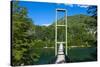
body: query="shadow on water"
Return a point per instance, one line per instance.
(53, 60)
(67, 60)
(82, 55)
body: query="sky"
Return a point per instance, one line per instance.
(44, 13)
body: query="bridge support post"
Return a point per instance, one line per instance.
(66, 31)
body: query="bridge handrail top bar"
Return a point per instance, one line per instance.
(60, 25)
(60, 9)
(60, 42)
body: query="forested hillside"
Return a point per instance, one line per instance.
(81, 31)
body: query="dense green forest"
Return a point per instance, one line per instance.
(28, 39)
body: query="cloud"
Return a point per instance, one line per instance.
(83, 6)
(46, 24)
(70, 5)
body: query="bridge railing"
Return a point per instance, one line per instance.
(67, 59)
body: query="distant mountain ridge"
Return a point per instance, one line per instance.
(74, 18)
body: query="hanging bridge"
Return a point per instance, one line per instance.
(59, 51)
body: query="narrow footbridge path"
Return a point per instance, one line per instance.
(61, 55)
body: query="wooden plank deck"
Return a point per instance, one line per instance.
(61, 55)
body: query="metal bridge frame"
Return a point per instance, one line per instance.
(56, 25)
